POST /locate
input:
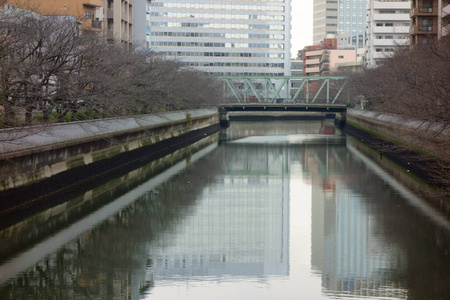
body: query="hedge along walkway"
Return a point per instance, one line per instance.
(25, 140)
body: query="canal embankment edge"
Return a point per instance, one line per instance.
(379, 137)
(30, 173)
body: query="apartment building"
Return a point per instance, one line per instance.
(388, 24)
(322, 60)
(88, 12)
(229, 38)
(429, 19)
(119, 20)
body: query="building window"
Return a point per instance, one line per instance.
(89, 15)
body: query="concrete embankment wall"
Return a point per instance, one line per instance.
(389, 126)
(382, 133)
(32, 154)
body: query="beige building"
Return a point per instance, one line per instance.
(117, 15)
(322, 60)
(119, 20)
(429, 18)
(89, 12)
(325, 19)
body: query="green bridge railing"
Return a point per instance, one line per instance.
(284, 89)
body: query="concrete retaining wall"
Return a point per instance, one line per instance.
(29, 155)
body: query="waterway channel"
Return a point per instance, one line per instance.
(273, 210)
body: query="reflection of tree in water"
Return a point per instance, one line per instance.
(108, 261)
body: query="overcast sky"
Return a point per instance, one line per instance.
(302, 24)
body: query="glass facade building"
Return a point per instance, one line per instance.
(223, 37)
(351, 17)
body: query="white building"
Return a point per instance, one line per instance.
(388, 25)
(246, 38)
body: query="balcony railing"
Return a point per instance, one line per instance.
(424, 11)
(314, 61)
(426, 28)
(416, 29)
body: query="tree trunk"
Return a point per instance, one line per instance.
(28, 115)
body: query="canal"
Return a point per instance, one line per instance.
(273, 210)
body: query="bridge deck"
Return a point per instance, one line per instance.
(288, 107)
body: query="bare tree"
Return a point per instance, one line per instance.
(49, 67)
(414, 84)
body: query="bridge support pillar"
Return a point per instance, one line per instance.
(342, 120)
(224, 118)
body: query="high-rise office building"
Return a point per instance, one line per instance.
(325, 20)
(246, 38)
(345, 19)
(352, 18)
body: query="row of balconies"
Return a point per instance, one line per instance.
(125, 16)
(314, 53)
(391, 29)
(391, 5)
(110, 35)
(391, 17)
(390, 42)
(313, 61)
(310, 70)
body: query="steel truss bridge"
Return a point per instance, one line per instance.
(284, 89)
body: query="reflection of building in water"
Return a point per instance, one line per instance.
(240, 225)
(350, 255)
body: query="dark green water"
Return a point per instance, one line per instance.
(280, 210)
